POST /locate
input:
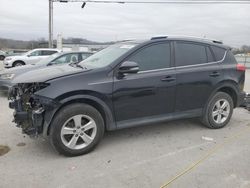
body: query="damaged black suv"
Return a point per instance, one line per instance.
(128, 84)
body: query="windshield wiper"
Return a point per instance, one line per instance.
(77, 65)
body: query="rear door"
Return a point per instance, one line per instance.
(34, 57)
(151, 91)
(196, 73)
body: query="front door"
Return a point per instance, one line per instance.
(151, 91)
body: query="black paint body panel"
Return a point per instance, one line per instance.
(144, 97)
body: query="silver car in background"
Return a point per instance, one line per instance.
(7, 75)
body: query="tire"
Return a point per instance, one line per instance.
(213, 116)
(76, 143)
(2, 57)
(18, 63)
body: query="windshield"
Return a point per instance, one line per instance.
(107, 56)
(48, 59)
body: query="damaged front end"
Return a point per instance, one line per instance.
(29, 108)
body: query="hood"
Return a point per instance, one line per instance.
(15, 56)
(47, 73)
(18, 69)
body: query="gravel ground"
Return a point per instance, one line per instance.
(143, 157)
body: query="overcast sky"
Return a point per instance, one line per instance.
(28, 19)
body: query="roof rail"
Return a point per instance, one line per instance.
(160, 37)
(201, 38)
(217, 41)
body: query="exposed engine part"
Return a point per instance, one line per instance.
(29, 108)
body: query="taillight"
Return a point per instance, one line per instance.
(241, 67)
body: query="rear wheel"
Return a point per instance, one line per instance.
(218, 111)
(76, 130)
(18, 63)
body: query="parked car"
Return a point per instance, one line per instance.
(15, 52)
(7, 75)
(2, 55)
(30, 57)
(129, 84)
(8, 53)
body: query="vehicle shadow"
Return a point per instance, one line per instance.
(119, 137)
(153, 130)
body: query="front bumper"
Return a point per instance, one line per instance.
(32, 120)
(29, 120)
(7, 64)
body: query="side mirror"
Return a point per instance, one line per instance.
(129, 67)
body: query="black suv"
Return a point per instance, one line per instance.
(128, 84)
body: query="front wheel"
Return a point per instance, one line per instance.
(76, 130)
(218, 111)
(18, 63)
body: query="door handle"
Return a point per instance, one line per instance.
(215, 74)
(168, 79)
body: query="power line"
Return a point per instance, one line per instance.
(135, 2)
(160, 2)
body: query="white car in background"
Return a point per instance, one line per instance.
(30, 57)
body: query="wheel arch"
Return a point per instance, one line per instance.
(95, 102)
(18, 61)
(229, 87)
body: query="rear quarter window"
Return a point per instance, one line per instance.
(230, 59)
(219, 53)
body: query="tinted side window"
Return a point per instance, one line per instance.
(48, 52)
(210, 56)
(35, 53)
(230, 59)
(156, 56)
(218, 52)
(190, 54)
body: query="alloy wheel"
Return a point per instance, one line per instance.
(78, 132)
(221, 111)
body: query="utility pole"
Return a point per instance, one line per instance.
(50, 23)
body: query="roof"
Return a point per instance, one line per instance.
(182, 38)
(70, 52)
(214, 42)
(46, 49)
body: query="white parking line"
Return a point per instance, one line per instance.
(143, 162)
